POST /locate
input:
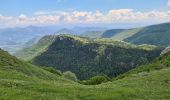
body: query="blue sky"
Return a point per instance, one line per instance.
(16, 7)
(84, 9)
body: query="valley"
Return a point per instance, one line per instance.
(88, 57)
(84, 50)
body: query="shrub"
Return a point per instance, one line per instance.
(96, 80)
(70, 75)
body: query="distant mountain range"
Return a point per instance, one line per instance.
(154, 35)
(13, 39)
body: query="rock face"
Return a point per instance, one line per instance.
(166, 50)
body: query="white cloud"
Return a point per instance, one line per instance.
(86, 17)
(169, 6)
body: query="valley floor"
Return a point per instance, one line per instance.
(152, 86)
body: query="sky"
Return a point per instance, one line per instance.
(83, 12)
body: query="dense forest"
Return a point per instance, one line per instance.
(91, 57)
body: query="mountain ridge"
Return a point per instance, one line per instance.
(83, 55)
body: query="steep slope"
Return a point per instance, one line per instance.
(41, 46)
(20, 69)
(89, 57)
(160, 63)
(154, 35)
(135, 86)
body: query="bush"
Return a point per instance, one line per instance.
(69, 75)
(96, 80)
(52, 70)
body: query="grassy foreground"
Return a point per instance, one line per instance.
(155, 86)
(23, 81)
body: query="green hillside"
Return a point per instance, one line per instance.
(111, 33)
(20, 69)
(30, 52)
(163, 62)
(154, 35)
(102, 34)
(89, 57)
(126, 34)
(24, 82)
(92, 34)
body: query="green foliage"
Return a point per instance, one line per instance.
(154, 35)
(52, 70)
(69, 75)
(25, 81)
(162, 62)
(11, 64)
(30, 52)
(96, 80)
(101, 34)
(126, 34)
(91, 57)
(111, 33)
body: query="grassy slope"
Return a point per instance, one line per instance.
(126, 34)
(20, 86)
(30, 52)
(11, 64)
(111, 33)
(102, 34)
(154, 35)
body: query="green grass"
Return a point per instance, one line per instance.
(30, 52)
(155, 86)
(154, 35)
(23, 81)
(125, 34)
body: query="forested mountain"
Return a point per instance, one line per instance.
(162, 62)
(88, 57)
